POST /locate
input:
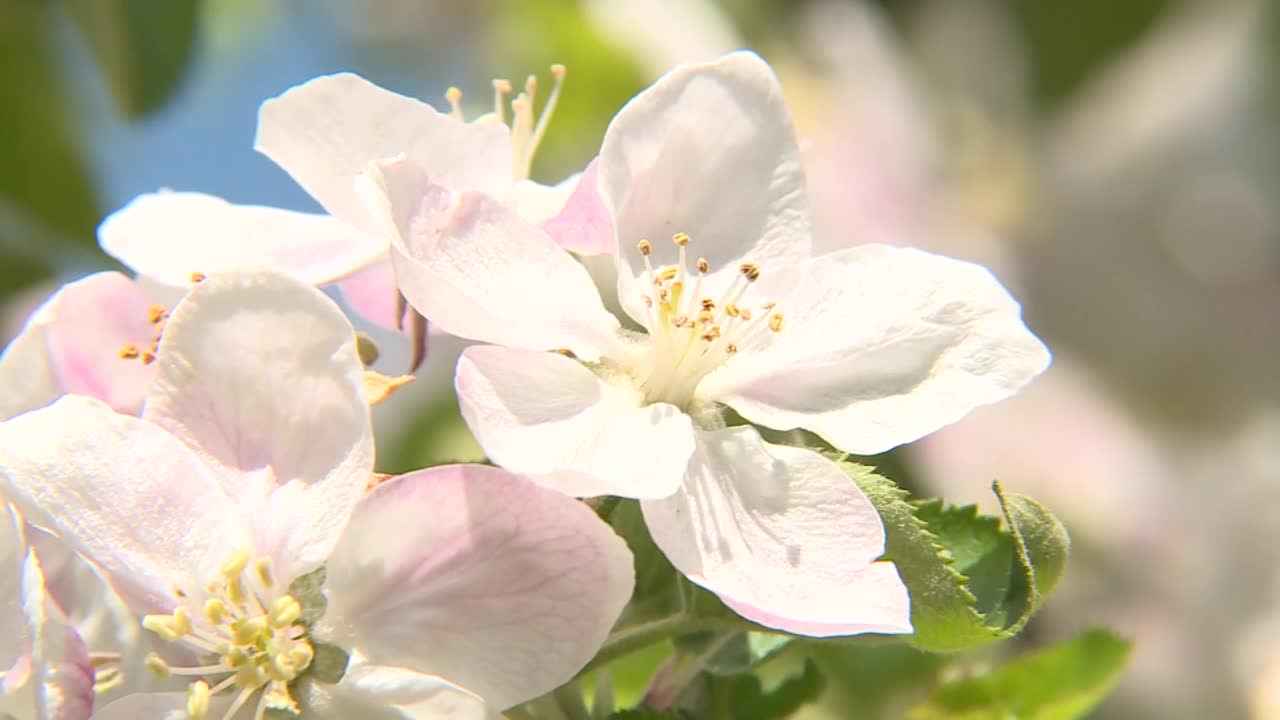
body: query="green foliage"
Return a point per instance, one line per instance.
(143, 47)
(1062, 682)
(751, 701)
(875, 680)
(643, 713)
(971, 581)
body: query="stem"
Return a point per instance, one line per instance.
(625, 642)
(569, 698)
(520, 712)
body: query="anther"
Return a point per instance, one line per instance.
(148, 357)
(668, 273)
(263, 569)
(648, 301)
(198, 700)
(454, 96)
(235, 564)
(708, 304)
(197, 277)
(215, 611)
(570, 354)
(161, 625)
(769, 305)
(731, 348)
(732, 310)
(645, 247)
(703, 265)
(155, 314)
(130, 352)
(680, 239)
(284, 612)
(775, 322)
(749, 271)
(745, 313)
(156, 666)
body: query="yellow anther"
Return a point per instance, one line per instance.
(668, 273)
(161, 625)
(703, 265)
(215, 611)
(708, 304)
(302, 654)
(197, 277)
(731, 310)
(749, 271)
(681, 321)
(156, 666)
(130, 352)
(731, 348)
(454, 96)
(198, 700)
(645, 247)
(156, 313)
(712, 333)
(558, 71)
(500, 86)
(250, 676)
(278, 698)
(680, 239)
(648, 301)
(775, 322)
(248, 631)
(181, 620)
(235, 657)
(148, 357)
(235, 564)
(744, 313)
(262, 567)
(285, 612)
(706, 317)
(235, 590)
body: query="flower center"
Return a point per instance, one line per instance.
(527, 127)
(692, 334)
(250, 631)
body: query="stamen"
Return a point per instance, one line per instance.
(130, 352)
(454, 96)
(156, 314)
(775, 322)
(501, 88)
(544, 120)
(198, 700)
(749, 271)
(703, 265)
(197, 277)
(645, 247)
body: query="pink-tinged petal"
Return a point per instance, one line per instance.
(326, 131)
(881, 346)
(583, 224)
(392, 693)
(258, 374)
(709, 150)
(477, 270)
(372, 293)
(129, 496)
(72, 344)
(536, 202)
(59, 655)
(479, 576)
(546, 416)
(167, 236)
(875, 596)
(782, 535)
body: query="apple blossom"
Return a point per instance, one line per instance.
(324, 133)
(869, 347)
(73, 342)
(244, 484)
(45, 673)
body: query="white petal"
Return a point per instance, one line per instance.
(782, 535)
(13, 627)
(372, 293)
(258, 374)
(169, 235)
(477, 270)
(326, 131)
(536, 202)
(583, 223)
(546, 416)
(163, 706)
(72, 344)
(128, 495)
(60, 657)
(479, 576)
(709, 150)
(392, 693)
(881, 346)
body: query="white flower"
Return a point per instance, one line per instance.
(719, 302)
(248, 470)
(45, 672)
(324, 133)
(73, 344)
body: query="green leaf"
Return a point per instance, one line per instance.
(873, 680)
(660, 591)
(143, 47)
(752, 702)
(971, 581)
(740, 653)
(942, 606)
(1062, 682)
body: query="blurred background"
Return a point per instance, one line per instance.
(1117, 165)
